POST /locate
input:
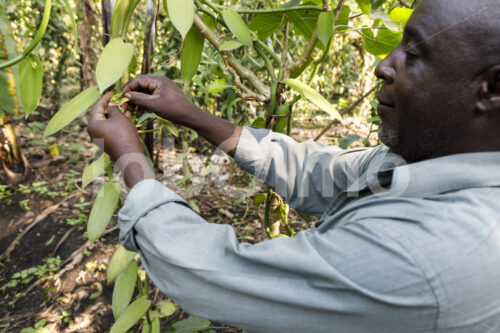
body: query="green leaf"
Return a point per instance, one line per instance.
(169, 127)
(217, 86)
(190, 325)
(102, 210)
(113, 62)
(167, 308)
(31, 79)
(343, 18)
(259, 122)
(94, 169)
(72, 110)
(325, 26)
(313, 96)
(191, 53)
(304, 21)
(266, 24)
(231, 45)
(155, 323)
(259, 199)
(118, 17)
(365, 6)
(383, 43)
(389, 24)
(237, 26)
(131, 315)
(120, 260)
(401, 15)
(124, 289)
(181, 14)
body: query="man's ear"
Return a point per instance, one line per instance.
(489, 91)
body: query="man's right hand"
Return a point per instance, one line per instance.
(161, 96)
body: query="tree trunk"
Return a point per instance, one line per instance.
(14, 165)
(88, 57)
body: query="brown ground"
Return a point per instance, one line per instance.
(73, 296)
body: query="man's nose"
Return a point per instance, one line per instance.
(385, 69)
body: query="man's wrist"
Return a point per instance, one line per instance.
(135, 167)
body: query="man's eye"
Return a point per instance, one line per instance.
(410, 53)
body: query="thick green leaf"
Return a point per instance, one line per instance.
(325, 26)
(237, 26)
(401, 15)
(190, 325)
(155, 323)
(181, 14)
(72, 110)
(266, 24)
(102, 210)
(31, 79)
(113, 62)
(231, 45)
(167, 308)
(94, 169)
(118, 17)
(124, 289)
(131, 315)
(191, 53)
(313, 96)
(120, 260)
(365, 6)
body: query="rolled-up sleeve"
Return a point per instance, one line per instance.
(348, 279)
(307, 175)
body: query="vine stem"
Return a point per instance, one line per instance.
(36, 40)
(271, 10)
(242, 71)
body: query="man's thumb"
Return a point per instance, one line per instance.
(138, 98)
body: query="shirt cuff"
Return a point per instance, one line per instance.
(252, 148)
(144, 197)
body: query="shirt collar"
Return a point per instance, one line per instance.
(390, 176)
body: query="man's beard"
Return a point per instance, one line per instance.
(413, 145)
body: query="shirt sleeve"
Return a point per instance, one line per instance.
(307, 175)
(347, 279)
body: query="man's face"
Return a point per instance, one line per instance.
(424, 101)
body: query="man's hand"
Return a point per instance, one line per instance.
(117, 135)
(160, 95)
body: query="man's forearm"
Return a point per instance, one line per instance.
(219, 132)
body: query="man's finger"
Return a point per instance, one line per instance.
(114, 111)
(139, 99)
(98, 111)
(141, 83)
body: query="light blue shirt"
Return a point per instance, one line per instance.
(398, 248)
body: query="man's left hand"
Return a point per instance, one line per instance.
(117, 135)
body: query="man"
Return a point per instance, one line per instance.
(399, 247)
